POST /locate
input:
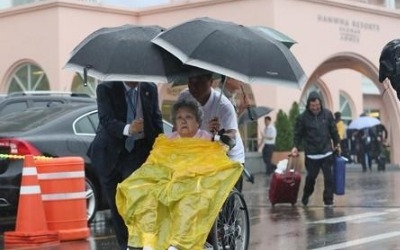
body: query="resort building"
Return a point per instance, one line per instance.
(338, 46)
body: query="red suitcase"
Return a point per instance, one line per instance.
(284, 187)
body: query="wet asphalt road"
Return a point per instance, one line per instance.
(366, 217)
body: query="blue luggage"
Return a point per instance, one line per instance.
(339, 175)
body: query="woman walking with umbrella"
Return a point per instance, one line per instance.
(364, 139)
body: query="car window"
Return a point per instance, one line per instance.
(86, 124)
(46, 103)
(17, 103)
(13, 107)
(32, 118)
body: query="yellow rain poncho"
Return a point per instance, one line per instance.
(175, 196)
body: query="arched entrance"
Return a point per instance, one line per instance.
(356, 62)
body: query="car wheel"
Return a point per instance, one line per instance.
(91, 199)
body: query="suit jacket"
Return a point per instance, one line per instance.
(112, 108)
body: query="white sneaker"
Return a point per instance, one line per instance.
(329, 205)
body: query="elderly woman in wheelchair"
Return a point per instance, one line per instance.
(176, 198)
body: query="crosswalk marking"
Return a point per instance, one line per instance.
(348, 218)
(360, 241)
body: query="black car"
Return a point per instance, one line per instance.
(20, 101)
(54, 131)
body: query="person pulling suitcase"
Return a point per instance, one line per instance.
(315, 129)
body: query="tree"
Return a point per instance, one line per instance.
(294, 112)
(284, 130)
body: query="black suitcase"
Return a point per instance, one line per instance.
(381, 161)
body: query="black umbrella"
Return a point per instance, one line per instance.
(236, 51)
(253, 113)
(124, 53)
(277, 35)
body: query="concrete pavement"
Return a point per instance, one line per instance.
(367, 217)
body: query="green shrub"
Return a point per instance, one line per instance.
(294, 112)
(284, 130)
(285, 126)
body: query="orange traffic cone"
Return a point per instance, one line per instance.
(31, 226)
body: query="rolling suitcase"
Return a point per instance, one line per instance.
(284, 187)
(381, 161)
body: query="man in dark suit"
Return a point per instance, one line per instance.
(129, 122)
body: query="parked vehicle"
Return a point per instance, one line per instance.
(54, 131)
(19, 101)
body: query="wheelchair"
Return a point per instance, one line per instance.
(231, 230)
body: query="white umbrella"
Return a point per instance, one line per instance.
(364, 122)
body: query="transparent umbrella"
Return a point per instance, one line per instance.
(363, 122)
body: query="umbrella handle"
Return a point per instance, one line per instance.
(85, 69)
(248, 175)
(251, 116)
(223, 80)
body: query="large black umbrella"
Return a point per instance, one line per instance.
(124, 53)
(226, 48)
(252, 114)
(277, 35)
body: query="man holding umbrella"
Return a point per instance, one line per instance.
(366, 138)
(219, 112)
(130, 120)
(128, 109)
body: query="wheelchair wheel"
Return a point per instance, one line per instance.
(231, 229)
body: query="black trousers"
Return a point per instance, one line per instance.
(313, 167)
(267, 151)
(365, 159)
(126, 165)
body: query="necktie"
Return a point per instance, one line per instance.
(131, 99)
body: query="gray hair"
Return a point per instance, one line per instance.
(190, 104)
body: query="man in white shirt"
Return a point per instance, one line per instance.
(268, 144)
(219, 112)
